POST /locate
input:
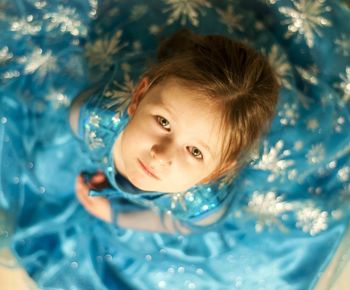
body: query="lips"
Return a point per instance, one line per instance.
(147, 170)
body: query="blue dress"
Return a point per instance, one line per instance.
(286, 211)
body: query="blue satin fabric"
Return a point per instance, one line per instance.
(291, 204)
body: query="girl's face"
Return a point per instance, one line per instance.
(172, 141)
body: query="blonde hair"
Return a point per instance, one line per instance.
(231, 75)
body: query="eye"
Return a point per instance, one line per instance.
(196, 153)
(163, 122)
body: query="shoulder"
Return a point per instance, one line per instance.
(74, 111)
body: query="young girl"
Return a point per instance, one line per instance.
(193, 118)
(156, 152)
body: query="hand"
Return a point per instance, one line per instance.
(95, 205)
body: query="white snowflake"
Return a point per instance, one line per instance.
(154, 29)
(5, 55)
(268, 209)
(344, 174)
(231, 19)
(281, 66)
(288, 114)
(312, 124)
(119, 94)
(186, 10)
(138, 11)
(316, 154)
(338, 124)
(273, 160)
(298, 145)
(312, 220)
(101, 52)
(58, 99)
(93, 5)
(305, 19)
(343, 45)
(39, 62)
(25, 26)
(67, 20)
(40, 4)
(345, 85)
(308, 75)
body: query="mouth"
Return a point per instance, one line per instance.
(147, 170)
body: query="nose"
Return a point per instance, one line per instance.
(163, 153)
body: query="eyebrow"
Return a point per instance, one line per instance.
(171, 113)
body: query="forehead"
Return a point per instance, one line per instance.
(193, 115)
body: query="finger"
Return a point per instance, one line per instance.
(98, 178)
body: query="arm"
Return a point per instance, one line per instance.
(143, 220)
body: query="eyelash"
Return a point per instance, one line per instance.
(192, 148)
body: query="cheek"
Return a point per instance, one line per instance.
(135, 137)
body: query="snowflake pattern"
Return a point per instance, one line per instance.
(312, 220)
(5, 55)
(274, 160)
(93, 5)
(66, 20)
(271, 210)
(100, 53)
(268, 209)
(281, 66)
(40, 63)
(316, 154)
(58, 99)
(312, 124)
(342, 45)
(25, 27)
(119, 94)
(186, 10)
(231, 19)
(289, 114)
(138, 11)
(305, 19)
(344, 174)
(345, 85)
(309, 75)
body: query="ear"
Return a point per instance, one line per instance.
(138, 95)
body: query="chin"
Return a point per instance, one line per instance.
(141, 185)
